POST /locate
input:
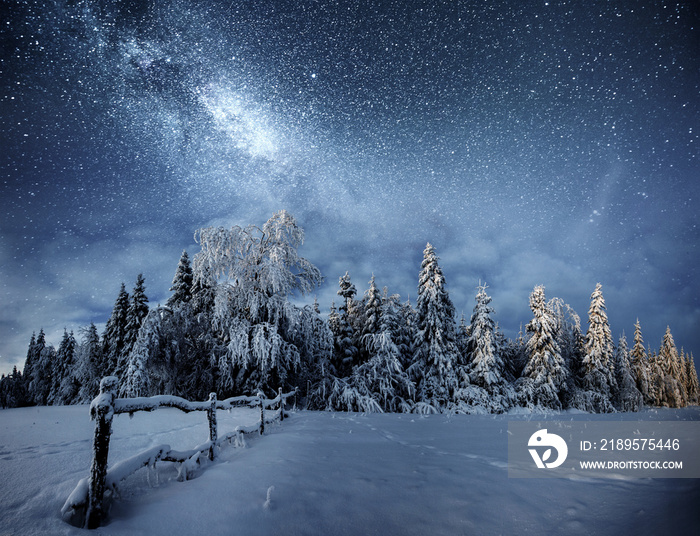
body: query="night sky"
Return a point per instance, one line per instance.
(542, 142)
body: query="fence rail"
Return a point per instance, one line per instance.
(84, 507)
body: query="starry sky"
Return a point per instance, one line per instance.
(531, 142)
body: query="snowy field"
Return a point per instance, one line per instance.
(326, 474)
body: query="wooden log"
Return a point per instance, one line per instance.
(102, 411)
(279, 392)
(213, 432)
(262, 414)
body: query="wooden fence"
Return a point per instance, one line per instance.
(85, 505)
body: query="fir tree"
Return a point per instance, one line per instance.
(42, 371)
(345, 349)
(30, 362)
(135, 315)
(545, 374)
(640, 365)
(182, 282)
(372, 318)
(628, 396)
(598, 360)
(435, 353)
(485, 363)
(462, 340)
(89, 359)
(64, 364)
(673, 392)
(114, 336)
(693, 388)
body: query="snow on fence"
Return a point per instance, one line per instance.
(85, 505)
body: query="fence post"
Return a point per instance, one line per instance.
(279, 391)
(102, 411)
(262, 412)
(213, 432)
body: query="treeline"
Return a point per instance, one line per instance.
(229, 327)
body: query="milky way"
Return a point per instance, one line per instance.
(532, 143)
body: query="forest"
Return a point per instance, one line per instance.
(230, 327)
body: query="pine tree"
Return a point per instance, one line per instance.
(462, 341)
(656, 378)
(42, 371)
(485, 363)
(182, 282)
(640, 365)
(673, 394)
(89, 359)
(30, 363)
(64, 364)
(435, 352)
(381, 383)
(372, 318)
(114, 337)
(346, 352)
(135, 315)
(598, 360)
(628, 396)
(693, 388)
(545, 374)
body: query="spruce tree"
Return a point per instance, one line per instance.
(371, 317)
(435, 352)
(135, 315)
(29, 364)
(693, 384)
(42, 371)
(89, 360)
(640, 365)
(673, 394)
(545, 374)
(114, 337)
(64, 364)
(485, 363)
(598, 360)
(628, 397)
(182, 282)
(345, 349)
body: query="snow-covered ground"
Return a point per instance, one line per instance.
(326, 474)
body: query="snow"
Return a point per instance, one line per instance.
(325, 473)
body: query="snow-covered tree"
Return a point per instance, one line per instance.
(545, 374)
(137, 377)
(257, 269)
(88, 362)
(639, 364)
(693, 387)
(346, 351)
(435, 352)
(462, 340)
(628, 397)
(673, 391)
(63, 390)
(371, 319)
(42, 371)
(182, 282)
(114, 336)
(485, 363)
(36, 345)
(598, 360)
(135, 315)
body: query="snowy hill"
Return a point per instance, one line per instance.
(326, 474)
